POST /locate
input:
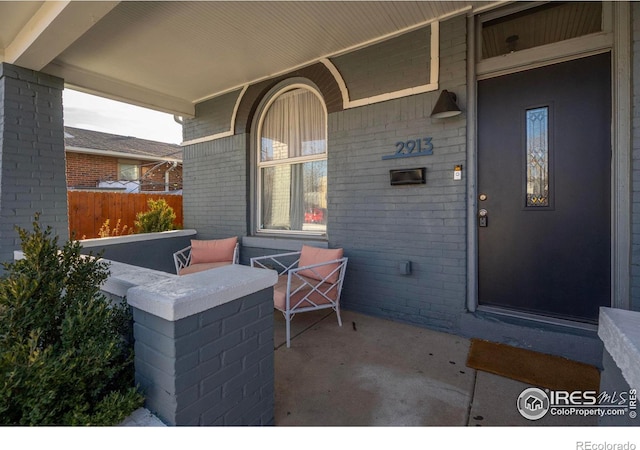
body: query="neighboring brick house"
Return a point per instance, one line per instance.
(110, 161)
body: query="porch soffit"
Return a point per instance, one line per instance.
(169, 55)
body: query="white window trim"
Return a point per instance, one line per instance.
(257, 204)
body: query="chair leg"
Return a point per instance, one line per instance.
(338, 314)
(287, 318)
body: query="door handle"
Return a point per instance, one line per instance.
(482, 218)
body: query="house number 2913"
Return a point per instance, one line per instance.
(412, 147)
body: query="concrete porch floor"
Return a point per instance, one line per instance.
(375, 372)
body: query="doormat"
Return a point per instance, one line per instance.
(536, 369)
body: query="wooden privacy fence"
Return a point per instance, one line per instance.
(88, 210)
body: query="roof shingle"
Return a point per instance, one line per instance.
(95, 140)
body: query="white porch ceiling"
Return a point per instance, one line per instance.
(169, 55)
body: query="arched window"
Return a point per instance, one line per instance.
(292, 163)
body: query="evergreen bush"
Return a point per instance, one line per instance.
(64, 358)
(159, 217)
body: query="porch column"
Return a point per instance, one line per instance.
(32, 158)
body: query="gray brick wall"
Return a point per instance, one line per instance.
(635, 238)
(211, 368)
(378, 225)
(381, 225)
(215, 187)
(389, 66)
(32, 154)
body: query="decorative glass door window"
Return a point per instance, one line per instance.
(537, 160)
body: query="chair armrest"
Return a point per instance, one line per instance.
(275, 262)
(182, 258)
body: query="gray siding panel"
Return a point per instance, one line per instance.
(389, 66)
(212, 117)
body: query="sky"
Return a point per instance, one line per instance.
(108, 116)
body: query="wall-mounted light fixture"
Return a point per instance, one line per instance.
(446, 106)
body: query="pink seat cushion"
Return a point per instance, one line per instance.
(217, 250)
(193, 268)
(313, 255)
(280, 293)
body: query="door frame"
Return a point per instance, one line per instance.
(617, 40)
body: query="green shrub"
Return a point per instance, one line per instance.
(63, 357)
(160, 217)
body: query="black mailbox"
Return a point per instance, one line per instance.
(408, 176)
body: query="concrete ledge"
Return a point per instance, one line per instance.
(126, 276)
(620, 332)
(177, 297)
(102, 242)
(150, 250)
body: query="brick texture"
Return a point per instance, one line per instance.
(85, 170)
(153, 177)
(380, 225)
(32, 153)
(215, 187)
(212, 368)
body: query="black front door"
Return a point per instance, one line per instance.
(544, 157)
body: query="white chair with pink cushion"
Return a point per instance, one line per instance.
(308, 280)
(206, 254)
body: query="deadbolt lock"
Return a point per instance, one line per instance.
(483, 197)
